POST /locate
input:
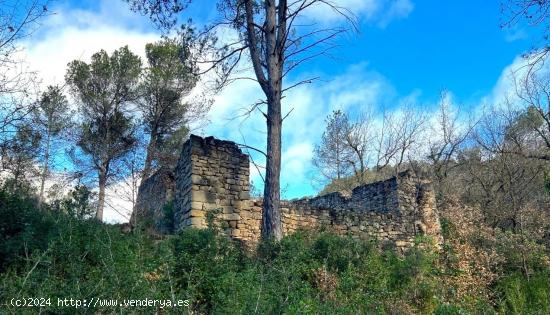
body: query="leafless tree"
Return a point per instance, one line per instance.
(448, 138)
(399, 133)
(359, 140)
(531, 130)
(18, 20)
(363, 149)
(343, 155)
(50, 118)
(275, 37)
(524, 120)
(129, 178)
(498, 178)
(19, 155)
(534, 13)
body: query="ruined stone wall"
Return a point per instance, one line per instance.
(212, 177)
(393, 211)
(154, 193)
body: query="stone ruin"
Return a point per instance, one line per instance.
(212, 179)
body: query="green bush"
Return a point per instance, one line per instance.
(303, 273)
(23, 229)
(55, 255)
(521, 295)
(203, 261)
(58, 252)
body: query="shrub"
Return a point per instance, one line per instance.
(23, 229)
(61, 254)
(525, 296)
(202, 262)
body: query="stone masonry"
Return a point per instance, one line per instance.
(154, 193)
(212, 177)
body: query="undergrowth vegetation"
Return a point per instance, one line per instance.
(59, 253)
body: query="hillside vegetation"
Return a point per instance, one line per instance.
(59, 252)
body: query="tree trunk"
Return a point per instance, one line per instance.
(271, 219)
(361, 169)
(101, 196)
(271, 223)
(44, 170)
(151, 148)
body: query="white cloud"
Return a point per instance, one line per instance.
(395, 10)
(71, 34)
(378, 12)
(508, 85)
(118, 202)
(296, 161)
(360, 8)
(505, 86)
(515, 34)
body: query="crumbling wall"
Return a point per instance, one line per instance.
(393, 211)
(212, 178)
(154, 193)
(211, 175)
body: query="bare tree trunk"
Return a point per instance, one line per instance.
(45, 170)
(151, 148)
(101, 196)
(272, 213)
(361, 159)
(271, 220)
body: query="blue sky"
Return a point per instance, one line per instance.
(406, 51)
